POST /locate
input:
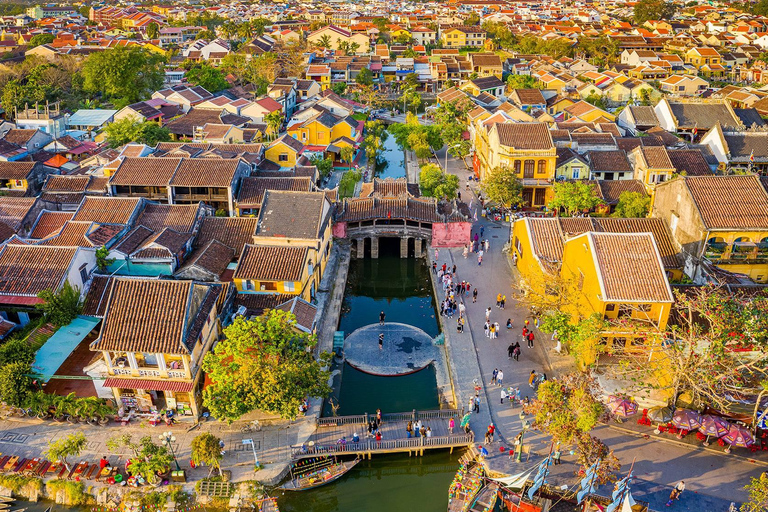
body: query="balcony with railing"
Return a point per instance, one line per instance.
(742, 250)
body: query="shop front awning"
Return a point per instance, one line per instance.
(61, 344)
(149, 385)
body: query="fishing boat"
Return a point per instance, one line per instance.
(310, 473)
(466, 485)
(267, 504)
(485, 499)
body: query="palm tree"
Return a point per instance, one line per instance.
(274, 121)
(104, 411)
(324, 42)
(245, 30)
(352, 48)
(64, 406)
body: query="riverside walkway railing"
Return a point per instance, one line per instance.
(364, 419)
(370, 446)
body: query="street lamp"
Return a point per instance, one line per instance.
(519, 454)
(167, 438)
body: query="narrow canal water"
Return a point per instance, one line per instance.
(391, 163)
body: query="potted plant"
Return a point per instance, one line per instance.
(63, 406)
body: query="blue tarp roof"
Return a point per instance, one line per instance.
(91, 117)
(59, 346)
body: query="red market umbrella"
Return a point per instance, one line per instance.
(713, 426)
(622, 407)
(686, 420)
(738, 436)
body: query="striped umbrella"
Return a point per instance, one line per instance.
(738, 436)
(686, 420)
(622, 407)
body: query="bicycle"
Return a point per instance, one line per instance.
(253, 426)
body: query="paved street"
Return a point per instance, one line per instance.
(713, 480)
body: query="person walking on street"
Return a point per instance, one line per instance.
(532, 379)
(503, 301)
(487, 245)
(530, 339)
(498, 300)
(491, 430)
(482, 230)
(465, 252)
(493, 377)
(480, 259)
(556, 456)
(437, 254)
(493, 331)
(516, 351)
(510, 351)
(488, 314)
(462, 309)
(477, 403)
(487, 329)
(434, 267)
(500, 378)
(496, 330)
(471, 404)
(382, 316)
(503, 395)
(474, 295)
(676, 492)
(381, 341)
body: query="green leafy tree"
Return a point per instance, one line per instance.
(39, 39)
(373, 143)
(16, 350)
(14, 96)
(61, 307)
(436, 183)
(574, 197)
(597, 100)
(653, 10)
(128, 130)
(151, 460)
(347, 183)
(757, 490)
(208, 77)
(259, 25)
(364, 77)
(503, 187)
(339, 88)
(15, 383)
(324, 41)
(206, 449)
(274, 121)
(124, 74)
(153, 31)
(411, 80)
(347, 154)
(472, 19)
(102, 259)
(324, 165)
(632, 205)
(264, 364)
(521, 82)
(65, 447)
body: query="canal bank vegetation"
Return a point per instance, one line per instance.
(68, 492)
(265, 363)
(434, 182)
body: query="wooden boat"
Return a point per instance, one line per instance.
(485, 500)
(466, 486)
(321, 471)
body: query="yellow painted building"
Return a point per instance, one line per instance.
(266, 269)
(722, 220)
(284, 151)
(322, 129)
(462, 37)
(529, 150)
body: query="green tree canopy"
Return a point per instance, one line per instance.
(632, 205)
(61, 307)
(521, 82)
(324, 165)
(153, 30)
(364, 77)
(206, 449)
(653, 10)
(574, 197)
(339, 88)
(757, 489)
(436, 183)
(265, 364)
(65, 447)
(39, 39)
(124, 74)
(503, 187)
(127, 130)
(208, 77)
(15, 383)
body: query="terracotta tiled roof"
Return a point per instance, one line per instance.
(525, 135)
(657, 227)
(304, 312)
(14, 209)
(147, 315)
(233, 232)
(107, 210)
(179, 217)
(49, 222)
(656, 157)
(214, 257)
(292, 214)
(389, 187)
(418, 209)
(271, 263)
(30, 269)
(257, 303)
(730, 202)
(547, 240)
(95, 303)
(252, 189)
(75, 183)
(15, 170)
(611, 190)
(205, 172)
(689, 162)
(629, 268)
(150, 172)
(609, 161)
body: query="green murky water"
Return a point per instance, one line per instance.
(387, 483)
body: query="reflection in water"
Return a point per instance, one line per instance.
(391, 162)
(362, 392)
(398, 286)
(387, 483)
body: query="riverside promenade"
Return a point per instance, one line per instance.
(712, 479)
